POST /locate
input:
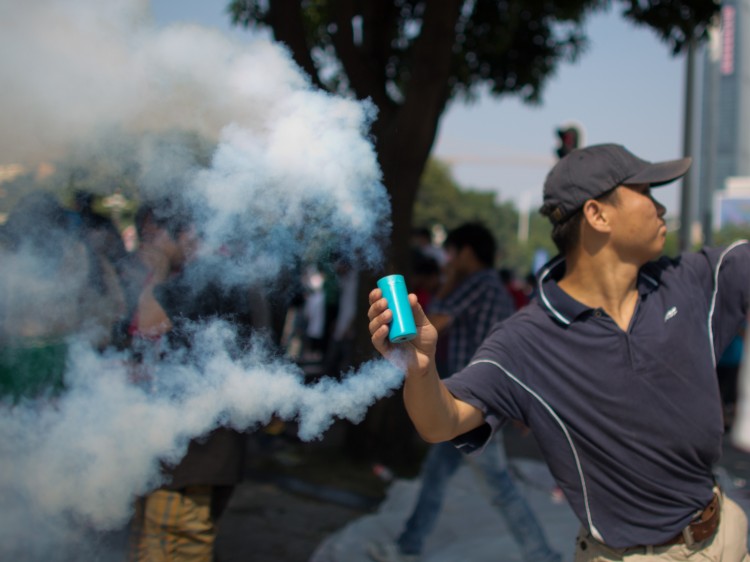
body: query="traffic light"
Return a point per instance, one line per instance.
(569, 138)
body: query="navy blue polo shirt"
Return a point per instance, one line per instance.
(629, 422)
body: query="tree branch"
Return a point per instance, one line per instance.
(285, 18)
(365, 79)
(427, 91)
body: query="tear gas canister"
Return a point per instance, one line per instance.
(394, 290)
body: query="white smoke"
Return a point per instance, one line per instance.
(95, 79)
(87, 456)
(291, 174)
(77, 67)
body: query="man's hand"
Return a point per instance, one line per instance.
(416, 355)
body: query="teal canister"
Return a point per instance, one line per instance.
(394, 290)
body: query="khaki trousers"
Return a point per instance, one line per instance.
(174, 527)
(729, 544)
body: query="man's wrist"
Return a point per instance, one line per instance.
(417, 373)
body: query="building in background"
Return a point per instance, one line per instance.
(724, 143)
(732, 206)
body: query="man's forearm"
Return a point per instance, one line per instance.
(433, 410)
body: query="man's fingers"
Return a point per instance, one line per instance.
(381, 319)
(377, 306)
(375, 295)
(420, 318)
(378, 338)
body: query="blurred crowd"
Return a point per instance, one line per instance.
(67, 278)
(72, 270)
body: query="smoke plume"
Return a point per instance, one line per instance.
(274, 172)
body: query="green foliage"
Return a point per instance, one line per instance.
(441, 201)
(674, 22)
(512, 46)
(730, 233)
(672, 244)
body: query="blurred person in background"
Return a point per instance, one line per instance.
(180, 520)
(423, 241)
(425, 277)
(53, 287)
(100, 231)
(727, 369)
(340, 348)
(515, 287)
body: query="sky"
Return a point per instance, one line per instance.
(625, 88)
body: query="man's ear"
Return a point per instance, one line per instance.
(597, 215)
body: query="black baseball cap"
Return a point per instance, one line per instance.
(587, 173)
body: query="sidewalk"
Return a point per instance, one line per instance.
(468, 527)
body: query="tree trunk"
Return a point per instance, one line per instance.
(386, 435)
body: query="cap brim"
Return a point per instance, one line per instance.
(661, 173)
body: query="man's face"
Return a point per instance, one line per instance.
(456, 258)
(187, 242)
(638, 227)
(163, 242)
(450, 254)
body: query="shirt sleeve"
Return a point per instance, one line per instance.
(732, 294)
(489, 385)
(724, 274)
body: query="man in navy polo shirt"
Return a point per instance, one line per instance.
(612, 367)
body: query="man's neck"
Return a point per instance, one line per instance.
(605, 282)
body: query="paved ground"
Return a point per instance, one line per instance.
(305, 503)
(270, 524)
(295, 496)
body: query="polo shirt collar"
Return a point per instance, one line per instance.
(560, 305)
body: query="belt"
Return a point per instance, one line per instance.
(702, 527)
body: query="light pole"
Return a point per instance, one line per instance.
(686, 202)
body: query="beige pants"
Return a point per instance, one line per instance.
(174, 527)
(729, 544)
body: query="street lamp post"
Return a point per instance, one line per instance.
(686, 202)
